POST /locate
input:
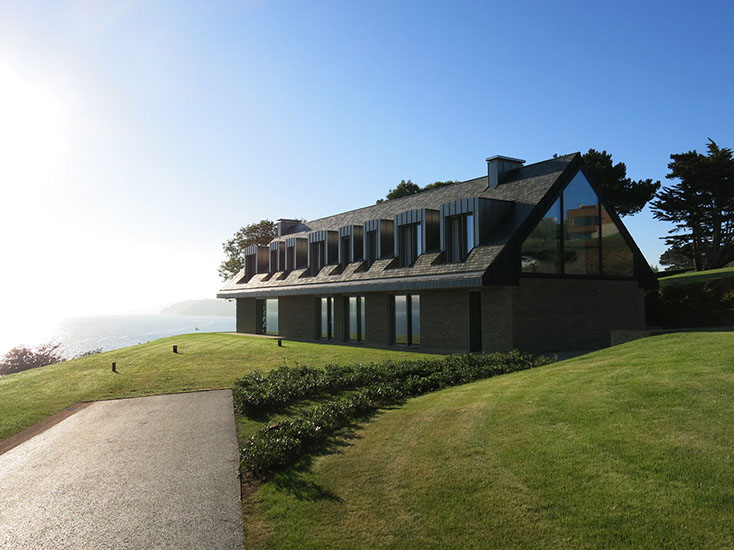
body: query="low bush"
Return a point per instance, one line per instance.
(706, 304)
(373, 386)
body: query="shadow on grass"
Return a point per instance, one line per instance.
(297, 481)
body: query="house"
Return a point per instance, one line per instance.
(526, 257)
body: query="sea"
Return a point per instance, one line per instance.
(82, 334)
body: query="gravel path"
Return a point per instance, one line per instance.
(148, 472)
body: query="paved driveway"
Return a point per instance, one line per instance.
(149, 472)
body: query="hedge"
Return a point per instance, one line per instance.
(373, 386)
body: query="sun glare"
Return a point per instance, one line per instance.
(33, 130)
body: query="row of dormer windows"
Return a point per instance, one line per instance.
(454, 229)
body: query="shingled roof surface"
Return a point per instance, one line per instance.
(524, 186)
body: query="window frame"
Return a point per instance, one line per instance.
(600, 248)
(410, 333)
(330, 332)
(360, 318)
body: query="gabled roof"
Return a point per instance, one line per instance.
(526, 187)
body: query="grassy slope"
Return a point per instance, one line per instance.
(204, 361)
(631, 446)
(695, 277)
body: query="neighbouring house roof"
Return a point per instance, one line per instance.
(526, 187)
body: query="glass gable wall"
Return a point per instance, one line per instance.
(580, 228)
(541, 251)
(575, 237)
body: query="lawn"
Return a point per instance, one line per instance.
(628, 447)
(696, 277)
(204, 361)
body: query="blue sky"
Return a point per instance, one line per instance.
(143, 134)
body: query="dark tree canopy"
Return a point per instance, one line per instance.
(22, 358)
(407, 188)
(260, 233)
(626, 196)
(677, 257)
(700, 205)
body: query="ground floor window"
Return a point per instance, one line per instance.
(407, 319)
(326, 319)
(355, 316)
(268, 316)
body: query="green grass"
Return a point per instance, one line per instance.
(628, 447)
(696, 277)
(204, 361)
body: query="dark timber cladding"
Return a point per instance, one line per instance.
(474, 255)
(429, 230)
(296, 253)
(382, 231)
(488, 212)
(352, 236)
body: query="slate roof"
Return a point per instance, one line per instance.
(525, 187)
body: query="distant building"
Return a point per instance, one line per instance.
(527, 257)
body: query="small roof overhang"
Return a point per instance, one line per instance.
(401, 284)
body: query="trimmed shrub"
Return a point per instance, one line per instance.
(374, 386)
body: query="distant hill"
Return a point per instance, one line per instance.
(201, 308)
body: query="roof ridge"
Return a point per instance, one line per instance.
(392, 201)
(568, 157)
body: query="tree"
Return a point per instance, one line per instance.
(700, 205)
(260, 233)
(437, 184)
(407, 188)
(402, 189)
(623, 194)
(677, 257)
(22, 358)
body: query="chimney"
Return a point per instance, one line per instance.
(498, 165)
(286, 226)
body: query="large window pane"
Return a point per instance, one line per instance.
(271, 316)
(455, 241)
(617, 258)
(415, 320)
(324, 318)
(469, 232)
(353, 334)
(401, 320)
(581, 228)
(541, 251)
(370, 246)
(418, 242)
(363, 316)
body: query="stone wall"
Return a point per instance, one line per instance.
(573, 314)
(497, 319)
(377, 319)
(246, 319)
(445, 320)
(297, 317)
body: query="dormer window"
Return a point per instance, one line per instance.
(410, 244)
(418, 231)
(256, 261)
(469, 222)
(370, 247)
(296, 253)
(345, 253)
(379, 240)
(322, 250)
(277, 256)
(459, 237)
(350, 244)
